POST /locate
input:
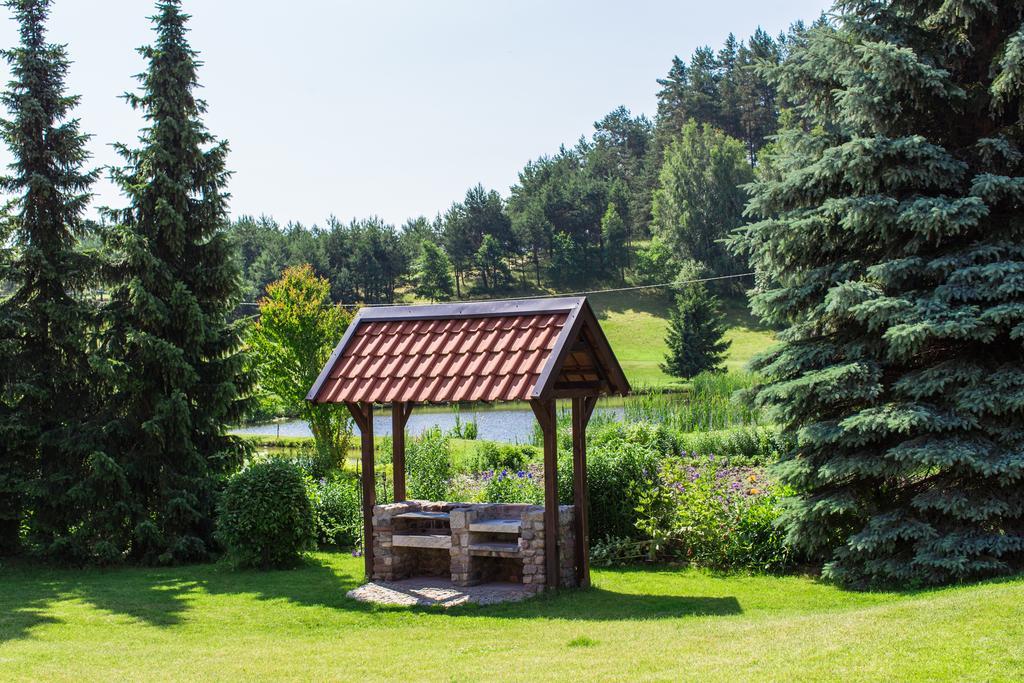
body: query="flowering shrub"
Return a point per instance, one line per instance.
(713, 514)
(520, 486)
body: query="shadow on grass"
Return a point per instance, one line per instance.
(599, 604)
(162, 597)
(25, 605)
(155, 596)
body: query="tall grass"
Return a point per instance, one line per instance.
(709, 403)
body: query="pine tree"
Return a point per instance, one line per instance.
(696, 332)
(45, 447)
(434, 279)
(177, 360)
(892, 242)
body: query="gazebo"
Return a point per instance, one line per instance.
(534, 350)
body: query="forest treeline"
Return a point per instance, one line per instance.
(629, 204)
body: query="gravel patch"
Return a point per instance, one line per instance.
(430, 592)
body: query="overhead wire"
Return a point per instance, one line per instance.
(675, 283)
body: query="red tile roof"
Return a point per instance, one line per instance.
(447, 353)
(468, 359)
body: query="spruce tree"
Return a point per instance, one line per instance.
(176, 358)
(696, 334)
(892, 242)
(45, 322)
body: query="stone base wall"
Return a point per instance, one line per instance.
(474, 556)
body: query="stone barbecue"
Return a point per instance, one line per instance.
(470, 543)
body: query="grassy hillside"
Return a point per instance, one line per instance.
(205, 622)
(635, 323)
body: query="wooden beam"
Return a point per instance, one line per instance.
(580, 493)
(540, 412)
(573, 393)
(545, 412)
(399, 416)
(589, 403)
(358, 415)
(369, 486)
(593, 386)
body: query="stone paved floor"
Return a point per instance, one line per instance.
(434, 591)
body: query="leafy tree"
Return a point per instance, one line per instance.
(699, 199)
(47, 388)
(891, 241)
(175, 361)
(433, 276)
(613, 232)
(297, 329)
(696, 330)
(566, 266)
(490, 261)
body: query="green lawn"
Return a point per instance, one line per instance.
(207, 622)
(635, 324)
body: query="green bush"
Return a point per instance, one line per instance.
(491, 455)
(741, 445)
(264, 517)
(314, 463)
(620, 459)
(428, 465)
(337, 511)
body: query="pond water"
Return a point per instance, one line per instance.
(512, 424)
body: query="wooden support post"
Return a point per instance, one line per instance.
(399, 416)
(582, 409)
(545, 412)
(362, 413)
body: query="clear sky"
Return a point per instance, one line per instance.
(393, 107)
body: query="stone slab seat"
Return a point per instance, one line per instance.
(510, 548)
(497, 526)
(421, 541)
(423, 515)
